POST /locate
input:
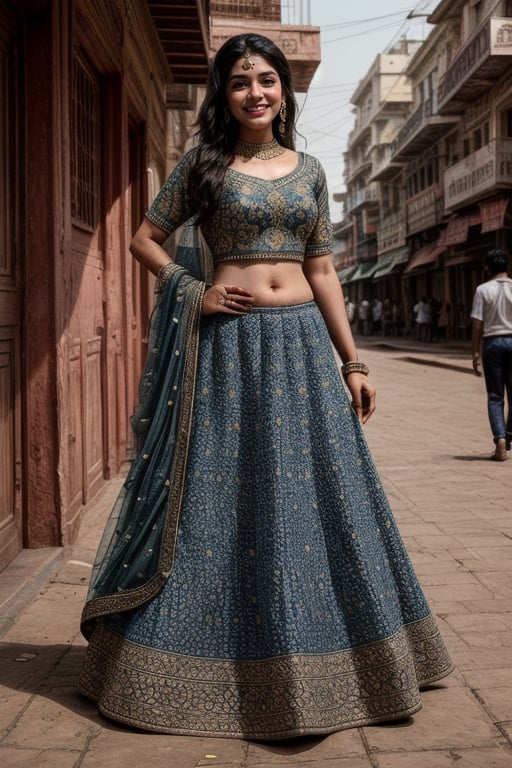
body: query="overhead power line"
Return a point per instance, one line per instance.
(359, 34)
(356, 22)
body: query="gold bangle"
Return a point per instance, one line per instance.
(163, 276)
(354, 366)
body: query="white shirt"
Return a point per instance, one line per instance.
(492, 304)
(364, 307)
(423, 312)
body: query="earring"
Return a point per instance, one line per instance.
(227, 115)
(282, 117)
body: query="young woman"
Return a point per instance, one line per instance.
(252, 582)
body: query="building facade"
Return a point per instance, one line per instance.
(451, 161)
(97, 104)
(83, 108)
(373, 222)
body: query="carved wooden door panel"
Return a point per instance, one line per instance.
(85, 347)
(75, 458)
(10, 401)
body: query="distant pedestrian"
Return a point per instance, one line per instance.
(350, 308)
(492, 328)
(363, 317)
(423, 314)
(377, 317)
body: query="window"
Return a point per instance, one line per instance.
(423, 175)
(85, 146)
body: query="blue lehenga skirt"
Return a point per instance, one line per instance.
(292, 607)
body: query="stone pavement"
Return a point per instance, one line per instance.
(431, 443)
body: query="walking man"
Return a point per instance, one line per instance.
(491, 317)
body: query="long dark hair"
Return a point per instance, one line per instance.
(216, 136)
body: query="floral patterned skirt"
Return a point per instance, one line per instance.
(292, 607)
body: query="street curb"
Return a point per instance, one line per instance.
(21, 581)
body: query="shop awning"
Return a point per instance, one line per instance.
(345, 273)
(364, 270)
(425, 255)
(493, 214)
(388, 261)
(456, 259)
(457, 229)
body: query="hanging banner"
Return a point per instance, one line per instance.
(493, 214)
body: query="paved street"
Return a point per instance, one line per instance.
(431, 443)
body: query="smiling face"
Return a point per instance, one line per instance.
(254, 97)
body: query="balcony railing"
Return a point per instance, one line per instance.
(362, 197)
(383, 167)
(288, 27)
(247, 9)
(296, 12)
(358, 168)
(423, 128)
(481, 59)
(361, 127)
(412, 126)
(486, 170)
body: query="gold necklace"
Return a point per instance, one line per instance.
(265, 151)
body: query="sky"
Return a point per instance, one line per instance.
(352, 35)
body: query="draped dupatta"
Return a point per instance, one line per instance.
(136, 552)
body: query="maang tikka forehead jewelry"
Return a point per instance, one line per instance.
(247, 64)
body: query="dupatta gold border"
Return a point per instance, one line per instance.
(133, 598)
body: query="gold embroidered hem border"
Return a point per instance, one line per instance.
(269, 699)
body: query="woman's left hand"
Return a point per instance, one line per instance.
(363, 396)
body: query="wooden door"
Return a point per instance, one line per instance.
(10, 400)
(86, 325)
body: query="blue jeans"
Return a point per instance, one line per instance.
(497, 365)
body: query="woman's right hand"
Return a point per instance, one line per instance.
(229, 299)
(363, 396)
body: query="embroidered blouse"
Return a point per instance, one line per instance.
(285, 218)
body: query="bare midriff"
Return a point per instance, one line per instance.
(272, 283)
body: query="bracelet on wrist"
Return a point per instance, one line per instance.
(163, 276)
(354, 366)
